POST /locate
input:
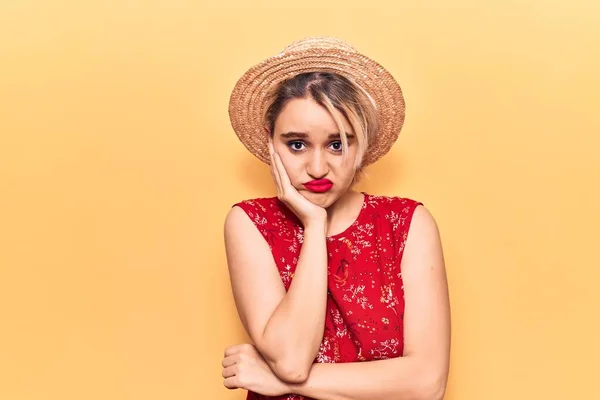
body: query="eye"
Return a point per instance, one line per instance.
(295, 145)
(337, 145)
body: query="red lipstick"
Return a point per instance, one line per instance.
(319, 185)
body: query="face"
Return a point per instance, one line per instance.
(307, 139)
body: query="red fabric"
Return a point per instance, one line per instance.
(365, 304)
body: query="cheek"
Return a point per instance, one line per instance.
(349, 177)
(345, 171)
(290, 164)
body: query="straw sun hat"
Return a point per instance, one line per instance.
(249, 100)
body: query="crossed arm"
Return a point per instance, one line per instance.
(422, 372)
(286, 328)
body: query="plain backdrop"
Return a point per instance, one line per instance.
(118, 166)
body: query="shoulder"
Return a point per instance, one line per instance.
(258, 204)
(414, 225)
(392, 202)
(249, 219)
(261, 211)
(423, 220)
(253, 207)
(423, 234)
(399, 211)
(245, 216)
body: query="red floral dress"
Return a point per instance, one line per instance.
(365, 302)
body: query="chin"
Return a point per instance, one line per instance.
(321, 199)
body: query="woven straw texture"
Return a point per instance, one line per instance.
(249, 99)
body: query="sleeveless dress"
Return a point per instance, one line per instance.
(365, 297)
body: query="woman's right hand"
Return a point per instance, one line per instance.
(305, 210)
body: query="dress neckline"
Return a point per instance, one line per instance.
(345, 232)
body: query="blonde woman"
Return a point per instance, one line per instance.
(343, 293)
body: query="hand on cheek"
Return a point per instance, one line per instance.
(305, 210)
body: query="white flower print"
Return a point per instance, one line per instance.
(357, 295)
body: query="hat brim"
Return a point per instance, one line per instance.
(249, 100)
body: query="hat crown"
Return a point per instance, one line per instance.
(319, 43)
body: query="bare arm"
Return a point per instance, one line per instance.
(287, 328)
(422, 372)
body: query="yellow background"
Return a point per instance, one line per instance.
(118, 166)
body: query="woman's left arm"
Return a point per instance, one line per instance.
(423, 370)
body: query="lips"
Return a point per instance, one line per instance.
(319, 185)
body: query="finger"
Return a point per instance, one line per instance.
(275, 170)
(271, 149)
(234, 349)
(229, 372)
(275, 177)
(229, 361)
(283, 176)
(231, 383)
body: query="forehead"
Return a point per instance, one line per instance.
(307, 116)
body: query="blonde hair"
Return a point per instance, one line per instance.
(333, 92)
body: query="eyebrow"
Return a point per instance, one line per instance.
(303, 135)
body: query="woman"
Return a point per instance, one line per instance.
(343, 293)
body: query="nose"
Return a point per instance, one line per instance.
(318, 166)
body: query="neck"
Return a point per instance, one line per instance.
(344, 211)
